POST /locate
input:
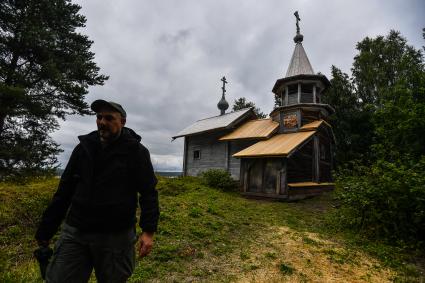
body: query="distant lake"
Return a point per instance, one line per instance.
(169, 174)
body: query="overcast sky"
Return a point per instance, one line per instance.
(165, 58)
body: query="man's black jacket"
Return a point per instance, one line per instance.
(100, 187)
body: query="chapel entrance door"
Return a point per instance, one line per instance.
(272, 167)
(264, 176)
(255, 176)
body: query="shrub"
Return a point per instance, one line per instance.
(286, 269)
(385, 200)
(218, 178)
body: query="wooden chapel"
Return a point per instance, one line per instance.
(287, 156)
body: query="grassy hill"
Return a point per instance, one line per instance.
(212, 236)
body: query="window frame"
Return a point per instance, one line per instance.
(199, 154)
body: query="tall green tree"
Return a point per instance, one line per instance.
(389, 76)
(383, 195)
(380, 109)
(382, 65)
(46, 67)
(351, 123)
(242, 103)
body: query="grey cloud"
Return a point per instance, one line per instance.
(165, 58)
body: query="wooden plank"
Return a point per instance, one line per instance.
(309, 184)
(255, 176)
(299, 93)
(284, 179)
(264, 196)
(242, 176)
(271, 169)
(316, 171)
(281, 123)
(286, 95)
(299, 164)
(282, 97)
(226, 154)
(307, 97)
(185, 157)
(308, 191)
(278, 182)
(292, 98)
(281, 188)
(298, 119)
(246, 182)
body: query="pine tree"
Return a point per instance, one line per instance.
(46, 67)
(241, 103)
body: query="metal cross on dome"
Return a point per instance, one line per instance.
(297, 16)
(223, 79)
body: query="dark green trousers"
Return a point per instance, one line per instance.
(77, 253)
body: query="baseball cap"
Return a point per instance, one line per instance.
(100, 104)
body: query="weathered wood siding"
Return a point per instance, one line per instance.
(300, 164)
(325, 153)
(306, 97)
(213, 153)
(292, 98)
(235, 163)
(309, 116)
(263, 176)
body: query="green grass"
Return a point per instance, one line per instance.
(204, 234)
(20, 208)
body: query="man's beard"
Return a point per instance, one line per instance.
(107, 136)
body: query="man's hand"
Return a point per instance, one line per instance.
(145, 243)
(43, 243)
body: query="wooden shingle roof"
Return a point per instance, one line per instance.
(299, 65)
(278, 145)
(254, 129)
(314, 125)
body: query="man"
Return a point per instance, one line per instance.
(97, 197)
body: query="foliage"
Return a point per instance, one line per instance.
(379, 110)
(385, 200)
(219, 178)
(390, 79)
(379, 124)
(383, 66)
(351, 122)
(242, 103)
(277, 101)
(21, 205)
(46, 68)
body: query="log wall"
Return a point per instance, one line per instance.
(235, 163)
(300, 164)
(212, 153)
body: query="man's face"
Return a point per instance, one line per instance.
(109, 123)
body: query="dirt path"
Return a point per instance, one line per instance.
(284, 255)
